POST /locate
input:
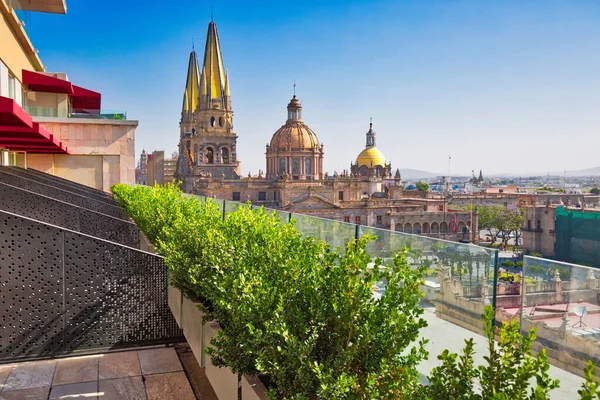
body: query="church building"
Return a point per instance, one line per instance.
(294, 179)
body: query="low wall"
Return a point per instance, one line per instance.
(565, 350)
(199, 335)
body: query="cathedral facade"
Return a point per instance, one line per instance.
(369, 193)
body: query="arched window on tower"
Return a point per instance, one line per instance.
(210, 155)
(212, 121)
(225, 155)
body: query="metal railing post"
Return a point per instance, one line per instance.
(495, 288)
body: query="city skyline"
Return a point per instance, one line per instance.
(438, 78)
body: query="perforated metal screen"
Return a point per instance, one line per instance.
(64, 292)
(65, 215)
(60, 194)
(61, 183)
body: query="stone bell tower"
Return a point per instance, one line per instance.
(208, 143)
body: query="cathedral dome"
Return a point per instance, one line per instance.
(371, 157)
(294, 136)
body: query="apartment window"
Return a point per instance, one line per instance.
(341, 195)
(11, 87)
(346, 219)
(539, 224)
(528, 224)
(262, 196)
(274, 195)
(379, 219)
(236, 196)
(357, 219)
(441, 207)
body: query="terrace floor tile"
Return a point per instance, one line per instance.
(4, 372)
(119, 365)
(158, 361)
(82, 390)
(75, 370)
(30, 375)
(130, 388)
(26, 394)
(171, 386)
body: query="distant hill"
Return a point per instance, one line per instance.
(583, 172)
(411, 174)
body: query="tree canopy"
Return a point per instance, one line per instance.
(422, 186)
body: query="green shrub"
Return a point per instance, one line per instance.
(294, 308)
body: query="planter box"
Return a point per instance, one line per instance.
(253, 389)
(175, 299)
(193, 329)
(198, 335)
(223, 381)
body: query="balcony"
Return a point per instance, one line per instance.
(54, 112)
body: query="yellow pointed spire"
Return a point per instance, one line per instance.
(203, 85)
(215, 79)
(192, 86)
(226, 83)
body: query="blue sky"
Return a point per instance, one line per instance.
(506, 86)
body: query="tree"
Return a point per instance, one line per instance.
(422, 186)
(595, 190)
(500, 220)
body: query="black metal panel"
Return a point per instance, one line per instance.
(65, 215)
(31, 287)
(61, 184)
(115, 295)
(108, 228)
(64, 292)
(62, 195)
(35, 172)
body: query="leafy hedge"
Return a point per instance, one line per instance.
(304, 313)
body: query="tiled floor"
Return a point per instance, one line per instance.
(150, 374)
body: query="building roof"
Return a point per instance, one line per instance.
(294, 135)
(371, 157)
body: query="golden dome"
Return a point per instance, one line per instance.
(294, 135)
(370, 155)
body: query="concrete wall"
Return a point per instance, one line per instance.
(101, 151)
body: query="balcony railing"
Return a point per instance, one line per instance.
(37, 111)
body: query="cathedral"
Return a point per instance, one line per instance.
(369, 193)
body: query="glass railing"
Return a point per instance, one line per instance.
(457, 276)
(37, 111)
(562, 302)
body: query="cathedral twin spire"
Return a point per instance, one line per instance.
(206, 87)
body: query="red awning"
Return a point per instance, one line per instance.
(85, 100)
(39, 82)
(11, 114)
(32, 137)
